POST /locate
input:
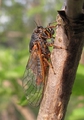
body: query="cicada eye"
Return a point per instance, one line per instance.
(52, 32)
(39, 29)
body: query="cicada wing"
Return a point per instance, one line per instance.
(32, 90)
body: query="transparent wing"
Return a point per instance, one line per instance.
(32, 90)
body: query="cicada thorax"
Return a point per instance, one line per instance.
(41, 34)
(36, 36)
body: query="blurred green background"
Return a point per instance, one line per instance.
(16, 25)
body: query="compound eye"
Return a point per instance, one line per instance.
(39, 29)
(52, 31)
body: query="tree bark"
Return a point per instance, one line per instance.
(70, 39)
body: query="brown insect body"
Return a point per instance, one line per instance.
(34, 79)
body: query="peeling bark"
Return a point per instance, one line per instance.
(70, 37)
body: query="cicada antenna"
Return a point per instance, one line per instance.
(37, 23)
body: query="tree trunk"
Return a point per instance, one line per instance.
(70, 39)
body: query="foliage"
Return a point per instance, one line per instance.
(78, 87)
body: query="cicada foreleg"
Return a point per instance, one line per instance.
(51, 44)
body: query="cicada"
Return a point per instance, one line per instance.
(35, 75)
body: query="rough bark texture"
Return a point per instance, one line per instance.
(69, 36)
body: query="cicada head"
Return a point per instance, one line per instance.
(51, 30)
(39, 29)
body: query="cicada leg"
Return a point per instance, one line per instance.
(50, 64)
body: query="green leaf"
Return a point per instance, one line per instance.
(78, 114)
(78, 88)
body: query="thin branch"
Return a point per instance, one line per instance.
(69, 36)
